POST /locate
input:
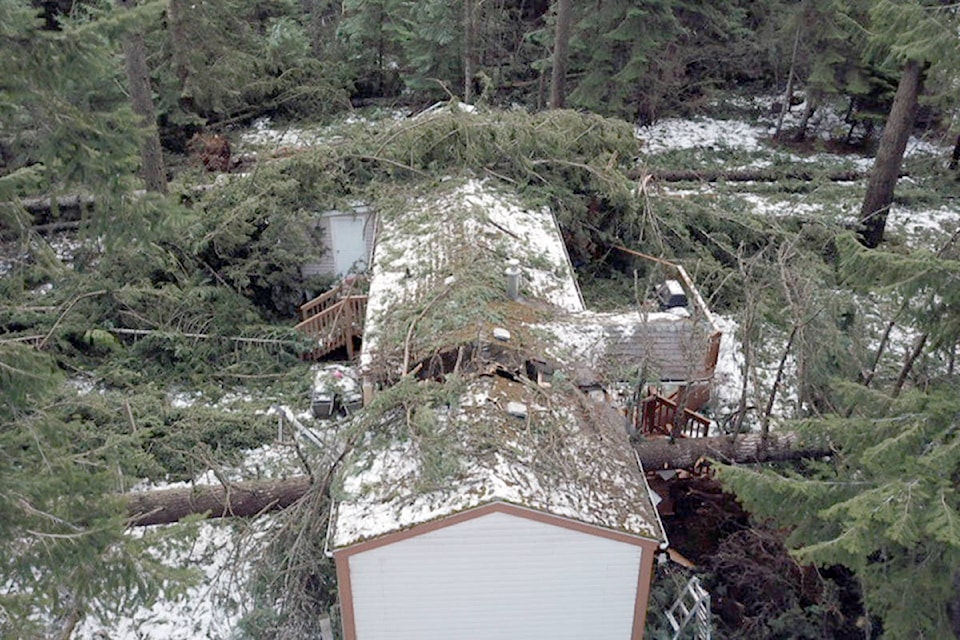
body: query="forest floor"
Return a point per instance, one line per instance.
(739, 138)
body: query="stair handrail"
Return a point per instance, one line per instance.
(688, 416)
(328, 298)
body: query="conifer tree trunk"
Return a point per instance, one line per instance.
(179, 45)
(247, 499)
(561, 52)
(886, 166)
(469, 49)
(141, 97)
(788, 92)
(243, 499)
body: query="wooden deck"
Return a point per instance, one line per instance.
(334, 319)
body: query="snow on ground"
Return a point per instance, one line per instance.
(728, 378)
(701, 133)
(211, 608)
(220, 550)
(790, 205)
(926, 228)
(264, 133)
(714, 134)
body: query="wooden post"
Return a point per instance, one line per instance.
(347, 326)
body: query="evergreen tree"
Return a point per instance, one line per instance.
(920, 38)
(61, 111)
(644, 59)
(886, 504)
(141, 98)
(561, 51)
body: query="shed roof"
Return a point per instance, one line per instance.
(668, 346)
(569, 456)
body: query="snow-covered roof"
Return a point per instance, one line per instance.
(438, 288)
(569, 456)
(436, 306)
(449, 251)
(666, 345)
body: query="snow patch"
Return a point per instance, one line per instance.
(675, 133)
(210, 609)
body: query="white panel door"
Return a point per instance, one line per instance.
(496, 577)
(346, 239)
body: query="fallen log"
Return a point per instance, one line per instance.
(746, 175)
(241, 499)
(245, 499)
(69, 207)
(683, 453)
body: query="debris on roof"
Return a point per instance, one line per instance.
(569, 456)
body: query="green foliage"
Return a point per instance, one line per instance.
(256, 233)
(886, 507)
(61, 105)
(617, 54)
(431, 38)
(293, 581)
(65, 552)
(925, 280)
(222, 59)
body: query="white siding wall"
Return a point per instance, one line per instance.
(496, 577)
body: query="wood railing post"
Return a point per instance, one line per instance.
(346, 328)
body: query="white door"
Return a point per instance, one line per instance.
(346, 239)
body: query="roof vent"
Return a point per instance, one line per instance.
(513, 278)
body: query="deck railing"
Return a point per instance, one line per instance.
(334, 319)
(659, 415)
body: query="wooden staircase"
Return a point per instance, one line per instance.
(334, 319)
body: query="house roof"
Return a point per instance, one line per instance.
(568, 456)
(439, 263)
(663, 345)
(447, 438)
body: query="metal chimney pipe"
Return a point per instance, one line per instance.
(513, 278)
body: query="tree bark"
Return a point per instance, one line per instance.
(141, 97)
(788, 93)
(179, 48)
(809, 107)
(908, 364)
(216, 501)
(561, 53)
(469, 49)
(683, 453)
(886, 166)
(768, 410)
(245, 499)
(749, 175)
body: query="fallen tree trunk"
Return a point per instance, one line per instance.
(245, 499)
(683, 453)
(746, 175)
(68, 207)
(216, 501)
